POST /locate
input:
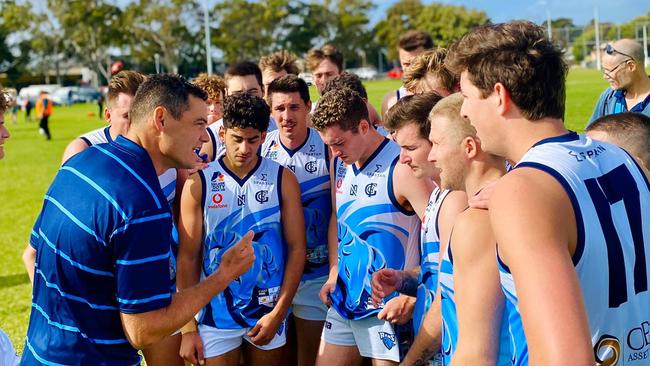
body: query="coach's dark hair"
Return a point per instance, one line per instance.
(629, 130)
(244, 68)
(412, 109)
(520, 56)
(414, 39)
(246, 110)
(124, 82)
(163, 90)
(347, 80)
(289, 84)
(340, 107)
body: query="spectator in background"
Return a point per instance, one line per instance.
(28, 110)
(100, 105)
(629, 130)
(44, 107)
(629, 86)
(428, 73)
(276, 65)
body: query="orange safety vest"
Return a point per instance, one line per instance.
(44, 106)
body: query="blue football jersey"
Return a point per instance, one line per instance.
(231, 207)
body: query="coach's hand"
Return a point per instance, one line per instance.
(265, 329)
(398, 310)
(385, 282)
(482, 199)
(239, 258)
(192, 348)
(325, 291)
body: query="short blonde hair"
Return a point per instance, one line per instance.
(278, 61)
(316, 55)
(430, 62)
(449, 107)
(4, 100)
(213, 85)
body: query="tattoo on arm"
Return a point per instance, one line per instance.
(425, 356)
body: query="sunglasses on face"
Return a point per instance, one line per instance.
(610, 50)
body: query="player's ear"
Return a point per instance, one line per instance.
(470, 147)
(263, 138)
(364, 126)
(107, 115)
(222, 134)
(502, 98)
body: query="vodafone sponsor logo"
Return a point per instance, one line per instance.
(217, 200)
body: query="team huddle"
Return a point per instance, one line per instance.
(462, 225)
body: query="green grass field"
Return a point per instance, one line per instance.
(31, 163)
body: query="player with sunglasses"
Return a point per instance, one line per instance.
(629, 86)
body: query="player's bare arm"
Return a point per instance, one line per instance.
(427, 342)
(74, 147)
(29, 260)
(538, 253)
(293, 229)
(332, 244)
(478, 294)
(190, 231)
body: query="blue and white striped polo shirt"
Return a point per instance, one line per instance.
(103, 241)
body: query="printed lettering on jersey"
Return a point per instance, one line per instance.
(353, 190)
(272, 153)
(371, 189)
(217, 182)
(241, 200)
(292, 167)
(388, 339)
(581, 156)
(263, 180)
(339, 183)
(268, 296)
(312, 148)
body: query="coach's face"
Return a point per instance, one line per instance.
(290, 113)
(4, 135)
(414, 151)
(406, 57)
(346, 145)
(181, 137)
(617, 71)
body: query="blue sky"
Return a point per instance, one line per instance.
(581, 11)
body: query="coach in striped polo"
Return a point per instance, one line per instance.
(101, 277)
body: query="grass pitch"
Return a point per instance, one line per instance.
(31, 163)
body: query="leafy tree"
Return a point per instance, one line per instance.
(399, 18)
(446, 23)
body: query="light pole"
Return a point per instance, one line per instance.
(206, 26)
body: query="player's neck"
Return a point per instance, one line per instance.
(372, 142)
(483, 172)
(296, 141)
(524, 134)
(242, 170)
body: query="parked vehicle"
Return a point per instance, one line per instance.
(365, 73)
(395, 73)
(31, 92)
(307, 77)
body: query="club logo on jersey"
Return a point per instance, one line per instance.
(217, 181)
(311, 167)
(217, 200)
(312, 148)
(353, 190)
(388, 339)
(328, 325)
(292, 167)
(607, 351)
(377, 168)
(638, 340)
(262, 196)
(241, 200)
(371, 189)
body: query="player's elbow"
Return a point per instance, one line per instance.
(141, 338)
(579, 355)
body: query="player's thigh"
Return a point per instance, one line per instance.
(376, 362)
(336, 355)
(230, 358)
(308, 339)
(165, 352)
(254, 356)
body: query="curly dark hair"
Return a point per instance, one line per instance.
(4, 101)
(520, 56)
(246, 110)
(163, 90)
(347, 80)
(340, 107)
